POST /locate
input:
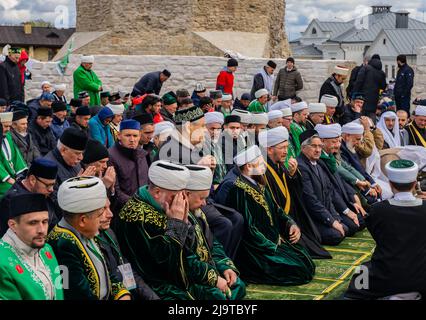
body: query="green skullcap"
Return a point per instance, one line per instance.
(168, 99)
(401, 164)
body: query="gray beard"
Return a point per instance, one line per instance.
(197, 213)
(22, 134)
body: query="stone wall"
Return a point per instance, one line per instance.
(167, 27)
(121, 72)
(419, 89)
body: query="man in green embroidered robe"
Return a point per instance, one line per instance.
(156, 236)
(300, 115)
(268, 252)
(84, 201)
(11, 161)
(85, 79)
(285, 186)
(213, 273)
(28, 267)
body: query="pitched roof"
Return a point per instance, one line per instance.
(305, 50)
(40, 36)
(376, 23)
(334, 27)
(403, 39)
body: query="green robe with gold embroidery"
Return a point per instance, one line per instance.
(84, 283)
(265, 255)
(17, 279)
(172, 268)
(295, 131)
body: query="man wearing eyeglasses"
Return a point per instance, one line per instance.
(40, 179)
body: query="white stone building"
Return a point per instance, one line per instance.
(383, 32)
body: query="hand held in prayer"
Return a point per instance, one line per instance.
(178, 208)
(230, 276)
(352, 215)
(109, 177)
(208, 161)
(363, 185)
(294, 234)
(222, 285)
(338, 226)
(89, 172)
(11, 181)
(365, 122)
(292, 166)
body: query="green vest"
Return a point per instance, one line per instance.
(18, 281)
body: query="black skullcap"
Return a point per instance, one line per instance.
(43, 168)
(59, 106)
(189, 114)
(144, 118)
(166, 73)
(74, 138)
(3, 102)
(305, 135)
(82, 111)
(204, 101)
(18, 115)
(271, 64)
(95, 151)
(27, 203)
(232, 118)
(232, 62)
(44, 112)
(75, 103)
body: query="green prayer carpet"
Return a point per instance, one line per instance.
(332, 276)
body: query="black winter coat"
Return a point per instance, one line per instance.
(11, 88)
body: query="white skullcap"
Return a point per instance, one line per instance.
(299, 106)
(201, 178)
(281, 105)
(272, 137)
(259, 118)
(163, 127)
(260, 93)
(6, 117)
(329, 100)
(286, 112)
(214, 117)
(329, 131)
(45, 82)
(274, 114)
(82, 194)
(61, 87)
(245, 116)
(353, 128)
(402, 171)
(116, 108)
(420, 111)
(87, 59)
(169, 176)
(226, 97)
(317, 108)
(341, 70)
(247, 156)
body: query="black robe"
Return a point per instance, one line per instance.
(310, 238)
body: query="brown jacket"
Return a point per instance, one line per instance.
(287, 83)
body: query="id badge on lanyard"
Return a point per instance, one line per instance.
(128, 278)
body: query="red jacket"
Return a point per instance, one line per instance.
(225, 81)
(24, 57)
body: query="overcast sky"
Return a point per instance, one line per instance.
(298, 14)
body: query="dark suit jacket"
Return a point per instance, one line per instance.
(319, 193)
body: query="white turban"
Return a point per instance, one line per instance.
(226, 97)
(60, 87)
(329, 131)
(272, 137)
(214, 117)
(45, 82)
(286, 112)
(274, 114)
(420, 111)
(317, 108)
(329, 100)
(402, 171)
(169, 176)
(261, 92)
(259, 118)
(163, 127)
(299, 106)
(6, 117)
(353, 128)
(87, 59)
(116, 108)
(201, 178)
(247, 156)
(82, 195)
(245, 116)
(341, 70)
(281, 105)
